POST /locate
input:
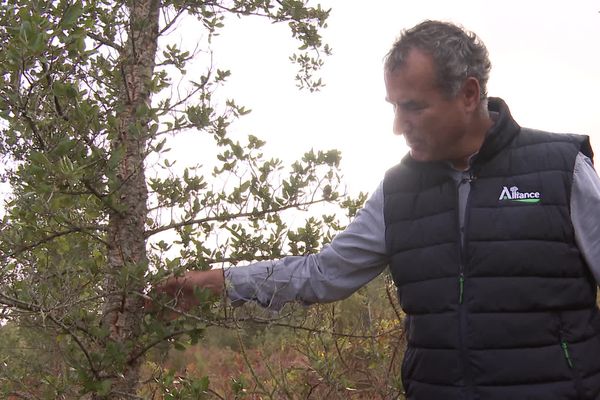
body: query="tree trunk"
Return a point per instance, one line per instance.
(127, 258)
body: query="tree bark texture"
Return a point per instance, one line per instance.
(127, 258)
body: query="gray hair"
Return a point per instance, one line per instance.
(457, 54)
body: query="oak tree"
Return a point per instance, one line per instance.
(89, 102)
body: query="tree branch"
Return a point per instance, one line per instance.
(169, 24)
(227, 322)
(149, 346)
(34, 129)
(39, 310)
(104, 198)
(104, 41)
(49, 238)
(229, 217)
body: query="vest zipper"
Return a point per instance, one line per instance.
(462, 314)
(564, 344)
(461, 287)
(565, 348)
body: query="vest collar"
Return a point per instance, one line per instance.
(500, 134)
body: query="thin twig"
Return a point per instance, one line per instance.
(229, 217)
(42, 241)
(39, 310)
(104, 41)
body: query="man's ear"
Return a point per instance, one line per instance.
(470, 93)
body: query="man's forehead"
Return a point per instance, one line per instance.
(406, 82)
(411, 57)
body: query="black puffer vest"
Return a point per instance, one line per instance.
(509, 314)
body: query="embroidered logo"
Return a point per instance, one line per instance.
(513, 194)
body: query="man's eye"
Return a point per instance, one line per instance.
(408, 107)
(413, 107)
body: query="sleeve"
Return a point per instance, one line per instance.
(585, 212)
(353, 258)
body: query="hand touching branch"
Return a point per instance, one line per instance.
(183, 289)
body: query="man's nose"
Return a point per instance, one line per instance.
(401, 123)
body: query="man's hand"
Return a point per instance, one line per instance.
(183, 289)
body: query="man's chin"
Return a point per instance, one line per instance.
(420, 156)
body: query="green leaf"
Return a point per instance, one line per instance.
(177, 345)
(72, 14)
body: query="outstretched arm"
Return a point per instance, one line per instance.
(354, 257)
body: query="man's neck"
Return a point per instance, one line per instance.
(481, 128)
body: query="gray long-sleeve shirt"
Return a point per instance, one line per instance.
(357, 255)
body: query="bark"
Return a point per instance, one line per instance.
(127, 258)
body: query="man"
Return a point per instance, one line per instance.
(490, 232)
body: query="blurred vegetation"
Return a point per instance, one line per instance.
(346, 350)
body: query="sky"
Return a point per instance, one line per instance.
(546, 66)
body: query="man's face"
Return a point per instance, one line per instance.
(434, 126)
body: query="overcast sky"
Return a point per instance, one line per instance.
(546, 66)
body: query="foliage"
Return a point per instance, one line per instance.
(88, 108)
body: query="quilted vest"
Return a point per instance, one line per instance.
(510, 312)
